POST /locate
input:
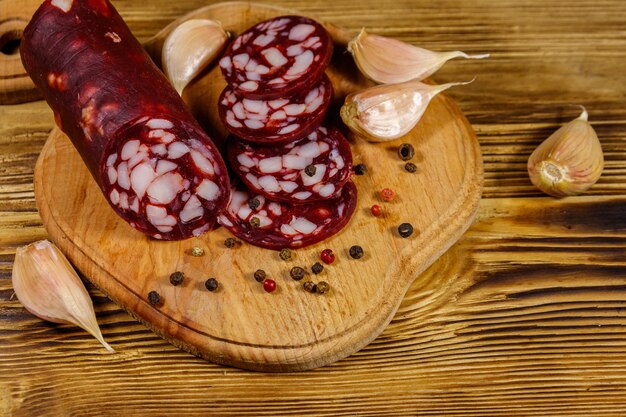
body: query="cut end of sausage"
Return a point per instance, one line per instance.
(277, 57)
(280, 225)
(164, 180)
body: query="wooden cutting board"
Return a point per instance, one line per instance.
(290, 329)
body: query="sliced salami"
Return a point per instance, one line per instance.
(277, 57)
(154, 164)
(274, 225)
(278, 120)
(311, 169)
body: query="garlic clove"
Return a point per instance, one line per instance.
(190, 48)
(390, 61)
(569, 161)
(387, 112)
(48, 287)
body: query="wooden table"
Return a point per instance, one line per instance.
(534, 323)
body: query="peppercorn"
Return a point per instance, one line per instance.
(327, 256)
(196, 251)
(376, 210)
(254, 203)
(255, 222)
(322, 287)
(285, 254)
(360, 169)
(310, 170)
(211, 284)
(154, 298)
(297, 273)
(387, 194)
(309, 286)
(406, 151)
(177, 278)
(317, 268)
(356, 252)
(231, 242)
(405, 229)
(269, 285)
(410, 167)
(259, 275)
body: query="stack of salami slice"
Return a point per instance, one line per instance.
(294, 188)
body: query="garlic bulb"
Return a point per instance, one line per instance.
(189, 48)
(47, 285)
(386, 112)
(389, 61)
(569, 161)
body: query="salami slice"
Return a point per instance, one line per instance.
(277, 57)
(155, 165)
(284, 226)
(278, 120)
(311, 169)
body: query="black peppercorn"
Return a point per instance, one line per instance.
(297, 273)
(285, 254)
(322, 287)
(410, 167)
(317, 268)
(259, 275)
(309, 286)
(356, 252)
(231, 242)
(255, 222)
(406, 151)
(359, 169)
(254, 203)
(405, 229)
(154, 298)
(177, 278)
(310, 170)
(211, 284)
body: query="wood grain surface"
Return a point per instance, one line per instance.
(536, 329)
(289, 330)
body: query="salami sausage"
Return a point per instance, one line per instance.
(154, 164)
(278, 120)
(311, 169)
(283, 226)
(277, 57)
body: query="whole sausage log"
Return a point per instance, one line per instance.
(155, 165)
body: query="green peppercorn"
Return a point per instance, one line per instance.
(297, 273)
(231, 242)
(322, 287)
(255, 222)
(317, 268)
(405, 229)
(310, 170)
(177, 278)
(309, 286)
(285, 254)
(211, 284)
(360, 169)
(254, 203)
(356, 252)
(406, 151)
(154, 298)
(196, 251)
(259, 275)
(410, 167)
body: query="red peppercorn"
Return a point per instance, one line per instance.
(387, 194)
(269, 285)
(376, 210)
(327, 256)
